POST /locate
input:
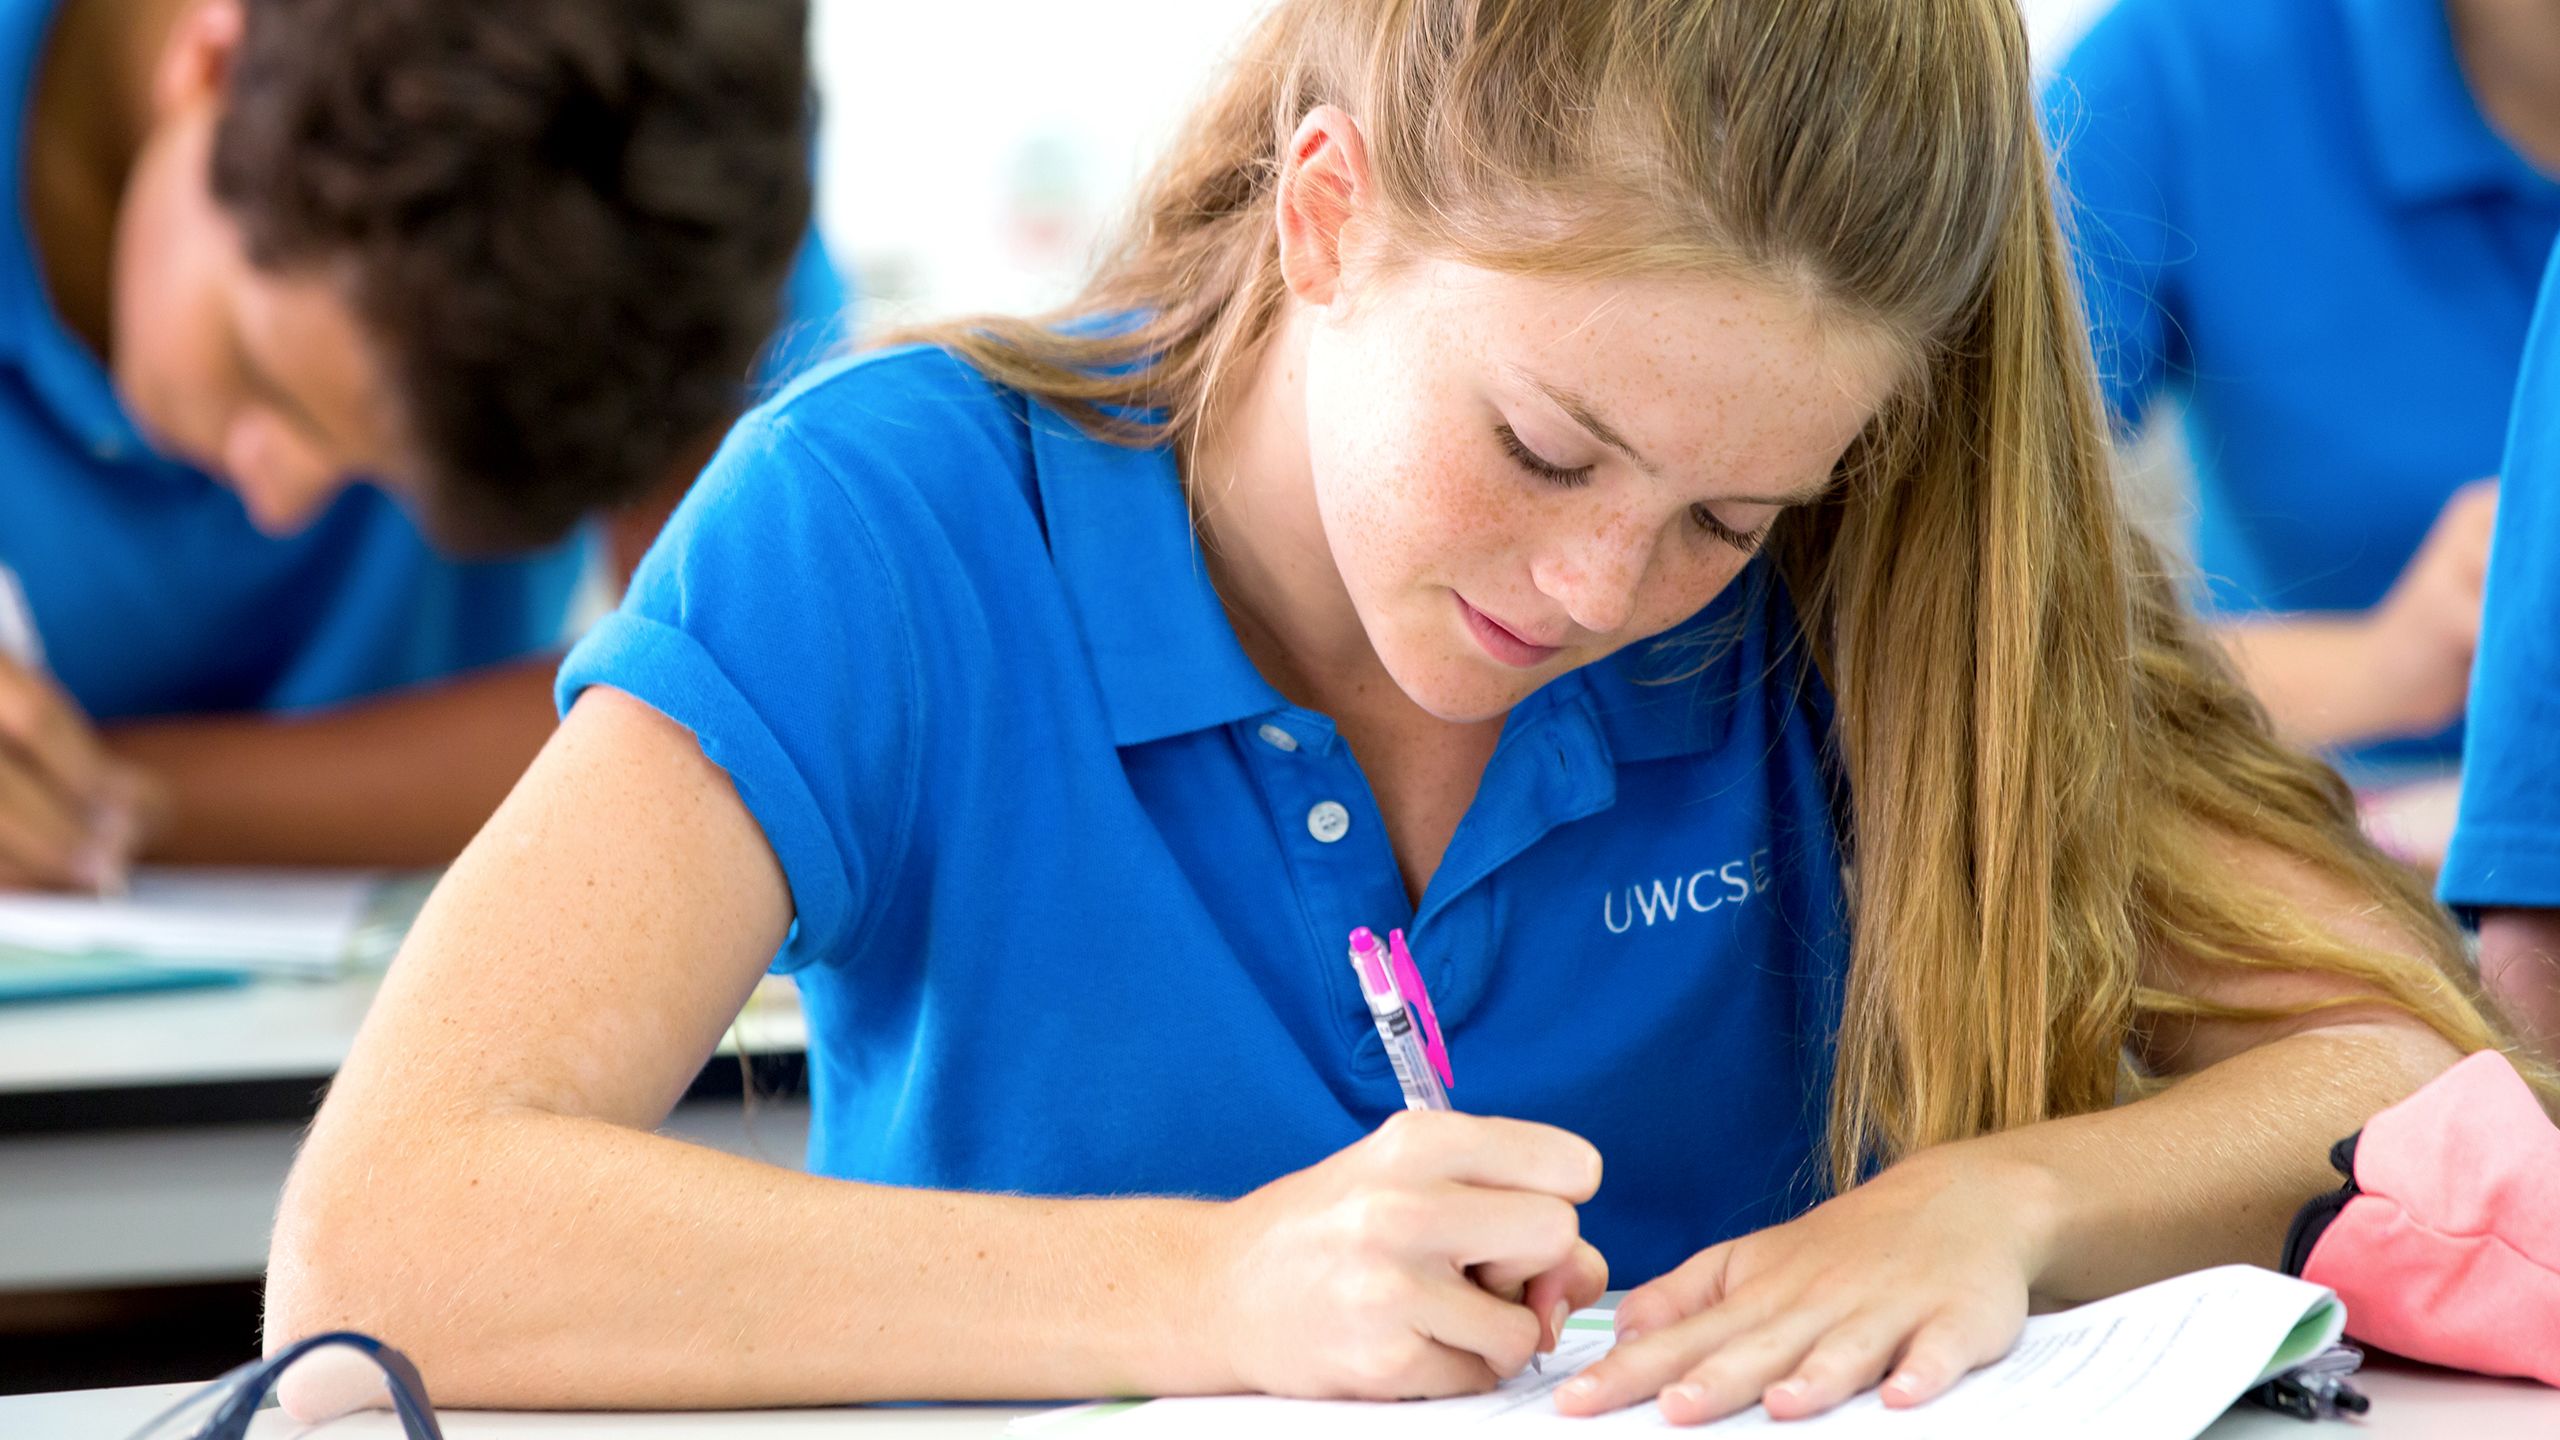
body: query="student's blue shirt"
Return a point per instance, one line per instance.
(2506, 842)
(2293, 214)
(152, 591)
(1073, 883)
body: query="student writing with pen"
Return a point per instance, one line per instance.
(323, 325)
(1524, 455)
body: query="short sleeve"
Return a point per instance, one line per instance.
(2113, 126)
(2506, 843)
(767, 622)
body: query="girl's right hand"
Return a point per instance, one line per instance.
(1380, 1273)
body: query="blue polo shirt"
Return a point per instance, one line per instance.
(2293, 214)
(152, 591)
(2506, 842)
(1073, 883)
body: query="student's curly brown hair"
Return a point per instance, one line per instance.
(566, 222)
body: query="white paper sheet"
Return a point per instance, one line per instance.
(2160, 1363)
(293, 921)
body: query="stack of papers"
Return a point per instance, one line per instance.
(2159, 1363)
(202, 925)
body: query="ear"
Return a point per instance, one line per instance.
(195, 64)
(1324, 185)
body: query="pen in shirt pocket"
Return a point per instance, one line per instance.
(1401, 1010)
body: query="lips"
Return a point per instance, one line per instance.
(1504, 643)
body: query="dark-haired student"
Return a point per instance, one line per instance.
(324, 326)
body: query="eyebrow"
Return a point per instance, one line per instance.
(1584, 416)
(1808, 495)
(1601, 430)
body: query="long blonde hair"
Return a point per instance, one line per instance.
(2048, 762)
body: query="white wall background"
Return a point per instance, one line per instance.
(973, 149)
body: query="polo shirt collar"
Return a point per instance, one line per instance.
(1675, 695)
(2421, 119)
(1163, 651)
(59, 368)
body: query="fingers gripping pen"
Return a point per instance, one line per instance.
(1407, 1026)
(1397, 1027)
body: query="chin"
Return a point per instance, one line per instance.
(1446, 692)
(157, 422)
(1465, 714)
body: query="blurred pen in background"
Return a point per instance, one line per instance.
(59, 764)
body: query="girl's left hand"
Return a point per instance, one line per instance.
(1923, 1272)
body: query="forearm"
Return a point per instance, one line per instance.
(2209, 1171)
(403, 780)
(2308, 671)
(2520, 965)
(540, 1261)
(483, 1189)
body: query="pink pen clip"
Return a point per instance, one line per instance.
(1409, 984)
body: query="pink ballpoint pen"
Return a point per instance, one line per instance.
(1406, 1027)
(1400, 1008)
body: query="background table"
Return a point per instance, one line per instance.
(144, 1139)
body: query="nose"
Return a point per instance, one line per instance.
(282, 484)
(1597, 575)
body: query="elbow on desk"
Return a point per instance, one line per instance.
(315, 1268)
(356, 1247)
(326, 1270)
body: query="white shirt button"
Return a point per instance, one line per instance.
(1278, 739)
(1328, 822)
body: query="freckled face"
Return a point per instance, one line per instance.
(1520, 476)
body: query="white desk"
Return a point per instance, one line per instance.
(276, 1030)
(272, 1030)
(95, 1194)
(139, 1206)
(2408, 1404)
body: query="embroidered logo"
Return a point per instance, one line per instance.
(1700, 892)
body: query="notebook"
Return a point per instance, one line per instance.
(2159, 1363)
(29, 976)
(178, 926)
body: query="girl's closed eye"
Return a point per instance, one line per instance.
(1536, 464)
(1573, 476)
(1746, 541)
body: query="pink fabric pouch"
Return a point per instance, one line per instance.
(2445, 1241)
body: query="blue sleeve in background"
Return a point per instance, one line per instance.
(2113, 124)
(2506, 844)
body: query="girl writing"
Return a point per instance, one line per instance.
(1613, 487)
